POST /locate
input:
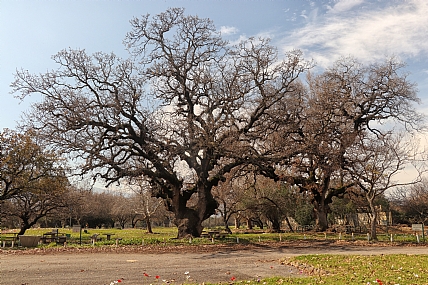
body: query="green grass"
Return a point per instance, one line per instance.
(341, 269)
(167, 236)
(354, 269)
(323, 269)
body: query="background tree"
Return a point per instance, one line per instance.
(98, 211)
(182, 117)
(23, 162)
(39, 200)
(411, 203)
(121, 211)
(374, 163)
(230, 194)
(347, 101)
(144, 205)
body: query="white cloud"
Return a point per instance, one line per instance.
(226, 30)
(345, 5)
(400, 30)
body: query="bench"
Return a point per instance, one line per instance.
(8, 239)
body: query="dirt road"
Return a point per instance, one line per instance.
(132, 265)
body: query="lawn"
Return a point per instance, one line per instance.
(322, 269)
(342, 269)
(167, 236)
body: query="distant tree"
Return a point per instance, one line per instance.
(229, 195)
(182, 117)
(412, 202)
(23, 162)
(98, 210)
(339, 106)
(144, 205)
(121, 211)
(374, 163)
(38, 201)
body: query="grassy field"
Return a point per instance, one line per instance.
(379, 269)
(167, 236)
(323, 269)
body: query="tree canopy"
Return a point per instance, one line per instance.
(187, 108)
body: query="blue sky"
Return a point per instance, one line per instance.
(31, 31)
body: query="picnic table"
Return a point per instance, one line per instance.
(9, 237)
(108, 235)
(53, 236)
(213, 234)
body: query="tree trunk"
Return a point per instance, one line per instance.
(276, 225)
(249, 224)
(189, 219)
(237, 223)
(289, 224)
(26, 224)
(373, 222)
(188, 223)
(321, 222)
(149, 225)
(226, 224)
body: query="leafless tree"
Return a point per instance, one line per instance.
(183, 116)
(342, 104)
(413, 202)
(375, 161)
(144, 205)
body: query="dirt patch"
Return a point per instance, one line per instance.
(142, 264)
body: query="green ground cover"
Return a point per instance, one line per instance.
(167, 236)
(323, 269)
(378, 269)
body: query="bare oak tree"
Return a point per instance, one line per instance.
(346, 101)
(184, 112)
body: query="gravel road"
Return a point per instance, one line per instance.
(131, 265)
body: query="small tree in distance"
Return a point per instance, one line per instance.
(374, 163)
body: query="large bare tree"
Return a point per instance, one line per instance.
(183, 112)
(343, 103)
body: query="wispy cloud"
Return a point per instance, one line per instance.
(226, 30)
(369, 35)
(344, 5)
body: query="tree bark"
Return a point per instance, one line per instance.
(276, 225)
(188, 223)
(149, 225)
(26, 224)
(321, 222)
(289, 224)
(373, 222)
